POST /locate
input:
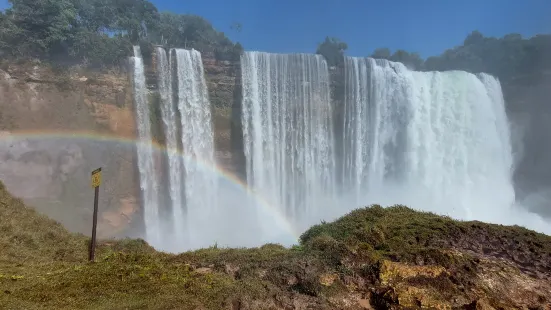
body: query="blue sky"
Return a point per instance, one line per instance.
(425, 26)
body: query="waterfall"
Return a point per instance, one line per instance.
(197, 135)
(288, 131)
(175, 164)
(137, 53)
(148, 178)
(437, 141)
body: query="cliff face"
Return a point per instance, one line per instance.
(529, 112)
(371, 259)
(224, 84)
(51, 172)
(57, 128)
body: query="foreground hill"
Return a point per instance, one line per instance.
(372, 258)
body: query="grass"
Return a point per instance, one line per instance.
(43, 266)
(400, 233)
(26, 236)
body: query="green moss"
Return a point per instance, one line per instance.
(401, 233)
(124, 279)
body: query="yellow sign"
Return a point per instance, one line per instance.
(96, 178)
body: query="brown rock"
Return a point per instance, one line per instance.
(292, 280)
(365, 304)
(51, 173)
(483, 304)
(328, 279)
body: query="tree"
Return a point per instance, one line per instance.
(169, 29)
(8, 34)
(102, 32)
(333, 50)
(96, 15)
(42, 25)
(192, 31)
(474, 38)
(381, 53)
(135, 18)
(412, 60)
(506, 57)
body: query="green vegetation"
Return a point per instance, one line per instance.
(400, 233)
(508, 58)
(100, 33)
(44, 266)
(333, 50)
(26, 236)
(192, 31)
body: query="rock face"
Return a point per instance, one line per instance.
(223, 81)
(224, 84)
(40, 166)
(57, 128)
(401, 259)
(529, 112)
(496, 285)
(60, 125)
(37, 101)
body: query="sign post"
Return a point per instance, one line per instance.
(96, 182)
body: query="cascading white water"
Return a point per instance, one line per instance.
(148, 178)
(288, 132)
(437, 141)
(138, 53)
(175, 164)
(205, 220)
(197, 136)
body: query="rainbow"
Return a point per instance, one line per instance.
(19, 135)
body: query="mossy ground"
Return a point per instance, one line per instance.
(369, 253)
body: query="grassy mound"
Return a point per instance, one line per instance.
(389, 258)
(27, 236)
(42, 265)
(402, 234)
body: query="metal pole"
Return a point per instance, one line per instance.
(96, 182)
(94, 225)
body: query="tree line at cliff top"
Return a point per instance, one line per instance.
(508, 58)
(100, 33)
